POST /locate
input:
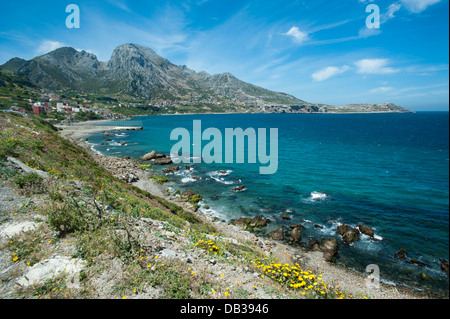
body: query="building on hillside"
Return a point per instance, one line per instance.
(38, 109)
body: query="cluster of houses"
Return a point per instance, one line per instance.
(62, 107)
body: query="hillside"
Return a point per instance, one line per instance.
(71, 228)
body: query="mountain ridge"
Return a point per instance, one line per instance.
(139, 71)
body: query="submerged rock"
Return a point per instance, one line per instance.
(425, 277)
(417, 262)
(401, 254)
(172, 169)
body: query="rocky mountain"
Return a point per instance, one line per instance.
(140, 72)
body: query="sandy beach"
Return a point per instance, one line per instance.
(348, 280)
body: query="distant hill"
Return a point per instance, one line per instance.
(138, 71)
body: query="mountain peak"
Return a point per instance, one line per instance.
(13, 64)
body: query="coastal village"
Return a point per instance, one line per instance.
(53, 103)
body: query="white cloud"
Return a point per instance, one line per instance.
(47, 46)
(374, 66)
(392, 9)
(417, 6)
(382, 89)
(298, 35)
(120, 4)
(366, 32)
(329, 72)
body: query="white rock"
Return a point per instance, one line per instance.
(168, 253)
(11, 229)
(51, 268)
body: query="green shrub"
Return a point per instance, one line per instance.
(9, 145)
(69, 217)
(30, 183)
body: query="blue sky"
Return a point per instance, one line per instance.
(319, 51)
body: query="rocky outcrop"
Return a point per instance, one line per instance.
(188, 194)
(149, 156)
(51, 268)
(241, 222)
(163, 161)
(348, 233)
(295, 236)
(27, 169)
(259, 221)
(277, 234)
(330, 248)
(314, 245)
(251, 223)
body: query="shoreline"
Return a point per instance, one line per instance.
(82, 130)
(231, 113)
(348, 279)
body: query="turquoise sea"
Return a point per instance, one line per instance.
(387, 171)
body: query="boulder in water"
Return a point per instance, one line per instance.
(366, 230)
(239, 189)
(149, 156)
(348, 233)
